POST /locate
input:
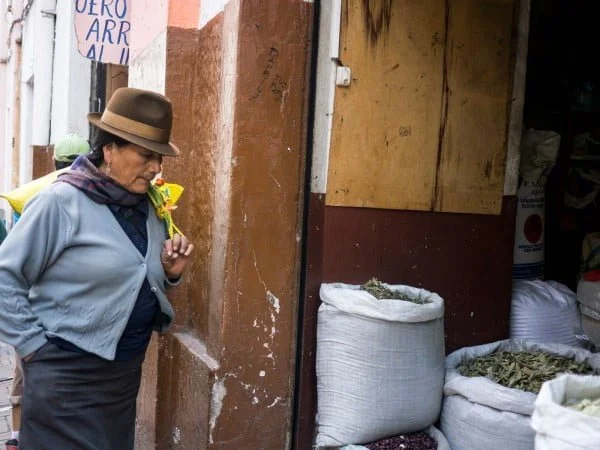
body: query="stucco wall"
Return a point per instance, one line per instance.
(71, 79)
(238, 87)
(149, 18)
(147, 69)
(46, 89)
(237, 305)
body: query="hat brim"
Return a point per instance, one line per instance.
(169, 149)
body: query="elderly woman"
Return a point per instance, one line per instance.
(83, 279)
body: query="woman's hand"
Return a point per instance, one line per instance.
(176, 255)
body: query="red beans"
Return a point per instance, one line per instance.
(409, 441)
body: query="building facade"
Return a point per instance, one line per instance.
(46, 85)
(321, 141)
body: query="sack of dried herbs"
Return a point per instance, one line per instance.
(480, 409)
(380, 363)
(560, 419)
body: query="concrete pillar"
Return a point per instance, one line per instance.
(43, 18)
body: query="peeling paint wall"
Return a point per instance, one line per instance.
(224, 379)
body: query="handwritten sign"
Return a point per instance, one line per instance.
(102, 28)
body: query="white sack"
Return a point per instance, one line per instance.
(588, 294)
(485, 411)
(380, 364)
(471, 426)
(560, 428)
(544, 312)
(539, 149)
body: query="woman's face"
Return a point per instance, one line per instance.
(132, 166)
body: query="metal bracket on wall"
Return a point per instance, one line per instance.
(343, 76)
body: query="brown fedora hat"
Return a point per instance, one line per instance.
(141, 117)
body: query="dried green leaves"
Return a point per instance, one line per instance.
(381, 292)
(522, 370)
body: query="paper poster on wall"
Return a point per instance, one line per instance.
(102, 28)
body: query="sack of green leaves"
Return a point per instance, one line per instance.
(490, 390)
(380, 362)
(567, 414)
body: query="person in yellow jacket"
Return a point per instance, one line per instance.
(66, 150)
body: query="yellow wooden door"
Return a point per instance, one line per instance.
(422, 125)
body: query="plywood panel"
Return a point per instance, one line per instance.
(479, 75)
(386, 124)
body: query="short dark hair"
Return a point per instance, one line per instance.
(63, 164)
(102, 138)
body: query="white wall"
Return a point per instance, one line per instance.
(55, 80)
(149, 69)
(26, 101)
(55, 85)
(42, 19)
(4, 67)
(7, 99)
(71, 78)
(209, 9)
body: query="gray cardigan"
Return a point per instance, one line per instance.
(68, 270)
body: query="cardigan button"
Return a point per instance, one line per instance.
(143, 266)
(153, 289)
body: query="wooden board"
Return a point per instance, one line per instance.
(479, 76)
(117, 77)
(386, 124)
(43, 160)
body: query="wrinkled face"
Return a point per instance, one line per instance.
(132, 166)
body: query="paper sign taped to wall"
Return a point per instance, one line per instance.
(102, 28)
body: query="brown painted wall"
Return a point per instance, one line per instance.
(263, 252)
(224, 377)
(467, 259)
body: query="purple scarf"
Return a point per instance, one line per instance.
(99, 187)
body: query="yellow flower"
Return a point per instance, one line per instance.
(164, 197)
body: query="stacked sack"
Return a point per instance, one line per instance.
(588, 296)
(380, 364)
(544, 311)
(479, 413)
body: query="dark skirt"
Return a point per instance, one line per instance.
(78, 401)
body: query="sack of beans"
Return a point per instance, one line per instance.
(430, 439)
(490, 391)
(380, 362)
(567, 414)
